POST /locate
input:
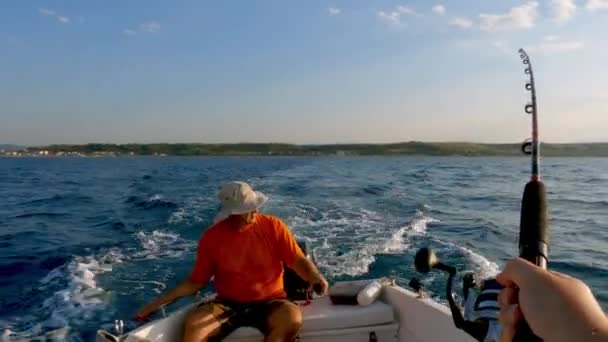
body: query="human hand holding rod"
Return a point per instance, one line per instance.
(556, 306)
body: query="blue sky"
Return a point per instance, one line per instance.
(300, 71)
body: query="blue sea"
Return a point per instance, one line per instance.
(85, 241)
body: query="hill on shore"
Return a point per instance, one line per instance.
(258, 149)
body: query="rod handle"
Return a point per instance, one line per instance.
(533, 239)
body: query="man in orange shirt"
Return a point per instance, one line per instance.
(245, 252)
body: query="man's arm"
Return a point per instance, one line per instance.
(183, 289)
(309, 272)
(200, 276)
(291, 254)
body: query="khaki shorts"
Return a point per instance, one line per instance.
(233, 315)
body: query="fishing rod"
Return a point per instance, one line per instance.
(533, 224)
(481, 307)
(533, 228)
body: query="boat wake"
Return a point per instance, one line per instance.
(346, 240)
(158, 244)
(78, 301)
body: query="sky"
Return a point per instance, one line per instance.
(300, 71)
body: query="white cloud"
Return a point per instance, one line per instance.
(560, 47)
(563, 10)
(52, 13)
(46, 11)
(503, 46)
(519, 17)
(554, 45)
(334, 11)
(391, 18)
(408, 11)
(594, 5)
(146, 27)
(461, 22)
(439, 9)
(149, 27)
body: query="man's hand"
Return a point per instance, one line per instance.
(557, 307)
(320, 285)
(183, 289)
(309, 272)
(145, 312)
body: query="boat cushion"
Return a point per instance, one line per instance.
(321, 314)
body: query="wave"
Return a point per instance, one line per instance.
(416, 227)
(482, 267)
(72, 197)
(154, 202)
(195, 210)
(569, 219)
(177, 216)
(159, 244)
(13, 268)
(53, 262)
(43, 214)
(346, 241)
(581, 201)
(9, 335)
(579, 268)
(10, 237)
(112, 224)
(76, 298)
(376, 190)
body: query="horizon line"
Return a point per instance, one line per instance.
(304, 144)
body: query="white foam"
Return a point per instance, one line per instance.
(155, 197)
(346, 239)
(177, 216)
(483, 267)
(83, 299)
(189, 213)
(77, 298)
(159, 287)
(82, 293)
(353, 263)
(397, 241)
(159, 244)
(420, 223)
(53, 335)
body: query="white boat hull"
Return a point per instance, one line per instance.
(400, 316)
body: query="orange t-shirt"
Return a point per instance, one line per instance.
(247, 264)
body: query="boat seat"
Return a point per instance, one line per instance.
(321, 315)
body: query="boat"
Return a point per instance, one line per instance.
(399, 315)
(392, 313)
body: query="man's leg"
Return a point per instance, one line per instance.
(283, 322)
(206, 322)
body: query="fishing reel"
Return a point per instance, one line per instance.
(480, 305)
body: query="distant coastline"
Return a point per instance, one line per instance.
(259, 149)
